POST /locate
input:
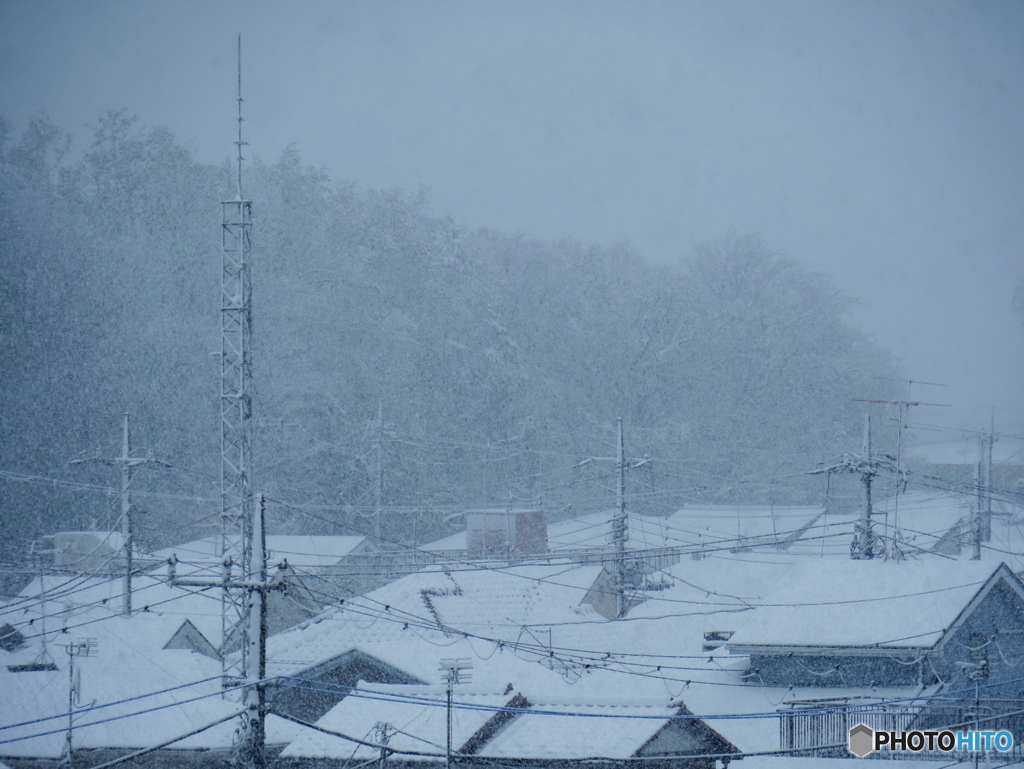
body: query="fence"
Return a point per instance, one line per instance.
(806, 726)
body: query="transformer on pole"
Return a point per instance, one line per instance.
(620, 521)
(250, 748)
(236, 410)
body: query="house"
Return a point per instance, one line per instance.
(546, 728)
(134, 684)
(653, 543)
(128, 691)
(56, 604)
(849, 623)
(950, 633)
(392, 634)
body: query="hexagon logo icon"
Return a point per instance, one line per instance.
(861, 740)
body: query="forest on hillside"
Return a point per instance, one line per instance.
(499, 362)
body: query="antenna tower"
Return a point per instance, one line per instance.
(237, 507)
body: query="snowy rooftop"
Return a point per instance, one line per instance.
(837, 602)
(743, 525)
(600, 715)
(581, 731)
(725, 525)
(713, 593)
(420, 710)
(554, 724)
(126, 663)
(74, 600)
(400, 615)
(629, 668)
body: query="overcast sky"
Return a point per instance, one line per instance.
(877, 142)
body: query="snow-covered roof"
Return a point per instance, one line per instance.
(123, 677)
(419, 711)
(849, 603)
(398, 616)
(132, 693)
(583, 730)
(743, 525)
(935, 521)
(553, 724)
(73, 600)
(715, 592)
(726, 525)
(923, 517)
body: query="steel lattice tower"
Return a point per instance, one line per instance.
(237, 508)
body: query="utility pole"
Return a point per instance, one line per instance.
(865, 544)
(380, 466)
(865, 537)
(127, 462)
(987, 441)
(620, 520)
(981, 524)
(253, 587)
(487, 468)
(620, 525)
(75, 649)
(976, 526)
(897, 536)
(36, 554)
(236, 406)
(455, 672)
(382, 734)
